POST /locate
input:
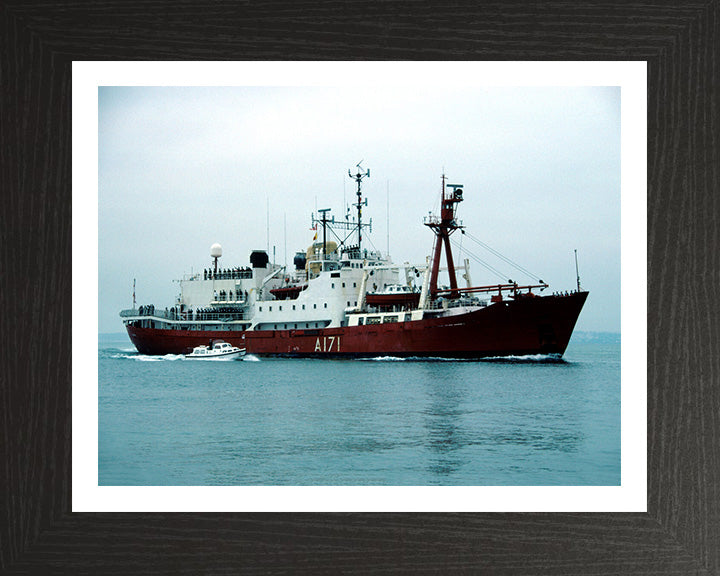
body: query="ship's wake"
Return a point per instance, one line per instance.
(163, 358)
(528, 359)
(171, 357)
(120, 354)
(413, 359)
(131, 354)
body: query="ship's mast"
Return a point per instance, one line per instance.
(347, 224)
(358, 178)
(443, 227)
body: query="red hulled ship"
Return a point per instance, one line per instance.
(342, 300)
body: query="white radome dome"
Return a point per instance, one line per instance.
(216, 250)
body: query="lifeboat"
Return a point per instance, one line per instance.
(394, 295)
(287, 292)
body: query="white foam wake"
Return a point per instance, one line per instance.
(145, 358)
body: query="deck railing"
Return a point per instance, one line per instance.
(186, 316)
(440, 304)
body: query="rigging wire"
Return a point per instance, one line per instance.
(461, 247)
(482, 262)
(501, 256)
(369, 239)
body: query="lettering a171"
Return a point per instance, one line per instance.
(326, 343)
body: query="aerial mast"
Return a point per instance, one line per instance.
(324, 221)
(358, 178)
(576, 272)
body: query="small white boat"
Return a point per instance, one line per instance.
(218, 351)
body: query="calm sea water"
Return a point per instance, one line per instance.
(170, 421)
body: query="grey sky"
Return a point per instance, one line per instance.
(182, 168)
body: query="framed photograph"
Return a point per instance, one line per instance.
(663, 524)
(502, 394)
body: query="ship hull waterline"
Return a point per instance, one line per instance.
(528, 326)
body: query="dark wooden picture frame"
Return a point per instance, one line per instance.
(680, 533)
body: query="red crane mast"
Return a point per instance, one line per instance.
(443, 227)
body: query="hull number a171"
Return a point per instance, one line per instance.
(326, 343)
